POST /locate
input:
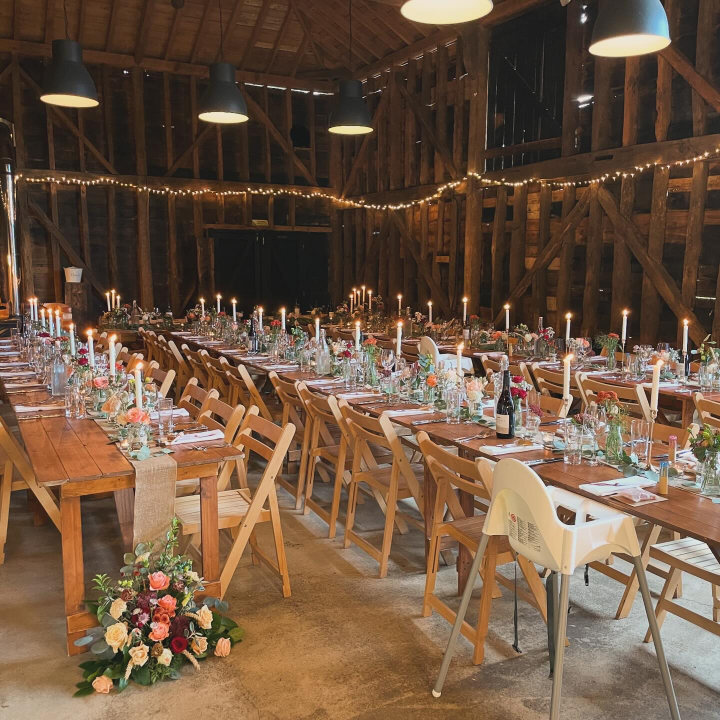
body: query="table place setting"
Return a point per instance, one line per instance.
(184, 438)
(519, 446)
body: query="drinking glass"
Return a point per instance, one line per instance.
(532, 427)
(573, 444)
(387, 359)
(453, 404)
(663, 348)
(165, 416)
(640, 441)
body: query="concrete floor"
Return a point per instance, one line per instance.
(347, 645)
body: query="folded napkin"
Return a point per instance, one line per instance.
(312, 383)
(24, 386)
(9, 353)
(280, 367)
(418, 411)
(17, 363)
(355, 395)
(612, 487)
(200, 437)
(509, 449)
(36, 408)
(177, 413)
(16, 373)
(662, 383)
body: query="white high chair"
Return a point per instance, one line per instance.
(427, 346)
(525, 510)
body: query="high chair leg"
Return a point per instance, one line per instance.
(560, 647)
(462, 611)
(657, 640)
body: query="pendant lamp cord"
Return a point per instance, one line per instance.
(65, 14)
(351, 39)
(222, 34)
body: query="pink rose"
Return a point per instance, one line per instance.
(168, 603)
(159, 632)
(101, 382)
(158, 580)
(222, 649)
(102, 684)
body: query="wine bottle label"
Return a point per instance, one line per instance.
(502, 424)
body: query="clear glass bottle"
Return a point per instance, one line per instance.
(58, 377)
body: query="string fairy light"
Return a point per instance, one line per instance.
(436, 193)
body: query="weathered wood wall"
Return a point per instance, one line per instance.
(149, 246)
(432, 121)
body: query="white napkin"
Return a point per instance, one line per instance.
(16, 373)
(36, 408)
(17, 363)
(418, 411)
(612, 487)
(323, 382)
(662, 383)
(177, 413)
(354, 395)
(10, 353)
(280, 367)
(26, 386)
(200, 437)
(509, 449)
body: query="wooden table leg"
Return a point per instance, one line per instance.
(73, 570)
(464, 560)
(688, 411)
(125, 506)
(210, 534)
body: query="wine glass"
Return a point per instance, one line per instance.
(387, 359)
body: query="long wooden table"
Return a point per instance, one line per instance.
(685, 512)
(76, 458)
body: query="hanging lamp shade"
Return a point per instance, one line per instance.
(222, 102)
(351, 115)
(67, 82)
(625, 28)
(446, 12)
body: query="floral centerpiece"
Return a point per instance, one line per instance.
(609, 342)
(706, 448)
(370, 347)
(616, 414)
(151, 623)
(519, 388)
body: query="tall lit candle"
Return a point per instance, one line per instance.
(363, 294)
(352, 301)
(91, 348)
(202, 307)
(655, 392)
(112, 304)
(260, 314)
(112, 351)
(686, 326)
(42, 316)
(234, 304)
(118, 301)
(369, 300)
(218, 297)
(566, 376)
(317, 329)
(357, 335)
(35, 303)
(58, 326)
(107, 297)
(282, 319)
(430, 311)
(399, 338)
(51, 324)
(623, 336)
(72, 339)
(465, 302)
(138, 386)
(507, 318)
(459, 368)
(399, 304)
(567, 327)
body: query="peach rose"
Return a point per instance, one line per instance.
(222, 649)
(102, 684)
(199, 644)
(116, 636)
(158, 580)
(136, 415)
(118, 607)
(112, 405)
(205, 617)
(101, 382)
(168, 603)
(139, 655)
(159, 631)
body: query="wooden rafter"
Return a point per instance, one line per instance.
(49, 20)
(424, 118)
(182, 158)
(341, 35)
(547, 255)
(653, 268)
(306, 30)
(703, 87)
(232, 24)
(279, 39)
(111, 24)
(201, 31)
(172, 33)
(299, 55)
(143, 31)
(368, 21)
(397, 28)
(257, 28)
(82, 21)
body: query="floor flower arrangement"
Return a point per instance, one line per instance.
(150, 622)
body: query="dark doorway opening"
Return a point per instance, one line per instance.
(273, 269)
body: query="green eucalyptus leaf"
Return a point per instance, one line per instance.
(100, 647)
(83, 641)
(236, 634)
(629, 471)
(174, 675)
(129, 558)
(108, 620)
(222, 606)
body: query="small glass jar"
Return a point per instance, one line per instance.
(711, 474)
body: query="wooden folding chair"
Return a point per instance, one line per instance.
(216, 369)
(452, 473)
(195, 360)
(550, 382)
(708, 410)
(241, 510)
(13, 458)
(400, 481)
(162, 378)
(294, 412)
(129, 360)
(174, 360)
(196, 400)
(248, 393)
(661, 434)
(633, 398)
(520, 369)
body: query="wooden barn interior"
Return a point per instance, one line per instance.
(509, 177)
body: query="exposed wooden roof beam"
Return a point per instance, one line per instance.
(201, 32)
(111, 24)
(397, 28)
(319, 52)
(279, 39)
(239, 5)
(143, 31)
(257, 27)
(171, 36)
(120, 60)
(360, 18)
(320, 19)
(302, 49)
(49, 21)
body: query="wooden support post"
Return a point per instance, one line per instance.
(336, 239)
(55, 268)
(109, 130)
(567, 254)
(602, 105)
(174, 268)
(573, 80)
(540, 279)
(517, 240)
(441, 110)
(593, 265)
(498, 250)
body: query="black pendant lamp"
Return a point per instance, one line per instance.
(625, 28)
(222, 102)
(67, 81)
(445, 12)
(351, 115)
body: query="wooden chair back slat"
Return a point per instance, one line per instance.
(634, 398)
(708, 410)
